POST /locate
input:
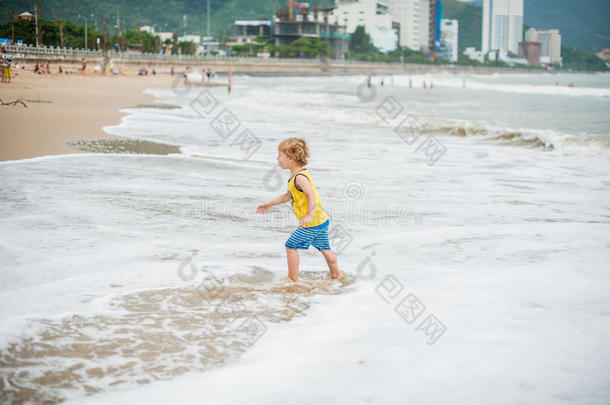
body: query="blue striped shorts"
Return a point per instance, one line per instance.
(316, 236)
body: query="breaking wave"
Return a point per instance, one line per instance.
(526, 137)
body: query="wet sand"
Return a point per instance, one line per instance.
(134, 146)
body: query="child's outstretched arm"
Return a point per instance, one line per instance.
(280, 199)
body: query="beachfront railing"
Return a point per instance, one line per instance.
(30, 52)
(40, 52)
(33, 52)
(50, 52)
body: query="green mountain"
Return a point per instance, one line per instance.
(583, 24)
(586, 28)
(165, 15)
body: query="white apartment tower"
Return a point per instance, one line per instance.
(449, 39)
(380, 16)
(373, 15)
(502, 25)
(413, 17)
(368, 13)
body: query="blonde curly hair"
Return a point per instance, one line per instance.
(296, 149)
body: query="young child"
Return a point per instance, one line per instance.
(306, 205)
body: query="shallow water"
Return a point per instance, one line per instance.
(155, 334)
(502, 239)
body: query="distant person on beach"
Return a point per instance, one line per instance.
(185, 75)
(229, 84)
(104, 66)
(60, 70)
(368, 81)
(48, 69)
(171, 71)
(83, 63)
(6, 65)
(307, 207)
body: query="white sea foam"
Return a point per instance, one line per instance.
(504, 240)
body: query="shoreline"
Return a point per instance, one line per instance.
(66, 114)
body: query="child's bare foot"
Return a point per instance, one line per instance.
(337, 276)
(289, 280)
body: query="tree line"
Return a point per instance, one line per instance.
(64, 33)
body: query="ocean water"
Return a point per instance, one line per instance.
(471, 219)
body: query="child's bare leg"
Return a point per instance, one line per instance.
(333, 266)
(293, 265)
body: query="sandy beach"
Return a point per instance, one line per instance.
(65, 108)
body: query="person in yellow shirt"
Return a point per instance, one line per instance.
(307, 207)
(6, 65)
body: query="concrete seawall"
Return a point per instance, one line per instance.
(268, 66)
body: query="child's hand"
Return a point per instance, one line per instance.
(263, 208)
(306, 220)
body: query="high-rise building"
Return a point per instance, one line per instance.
(416, 23)
(411, 16)
(373, 15)
(435, 14)
(550, 44)
(449, 40)
(502, 25)
(424, 26)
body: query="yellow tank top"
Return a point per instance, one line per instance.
(298, 200)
